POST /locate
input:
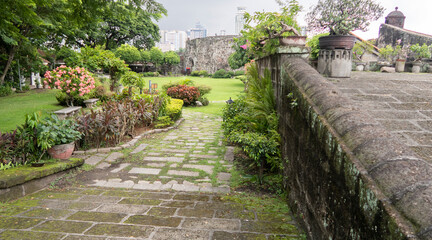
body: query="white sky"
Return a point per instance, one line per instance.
(217, 15)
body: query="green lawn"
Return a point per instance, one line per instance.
(14, 107)
(222, 90)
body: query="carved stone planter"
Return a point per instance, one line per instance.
(335, 63)
(416, 67)
(400, 65)
(293, 41)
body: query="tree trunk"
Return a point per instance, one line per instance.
(8, 64)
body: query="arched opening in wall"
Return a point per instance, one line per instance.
(192, 62)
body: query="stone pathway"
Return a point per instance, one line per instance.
(168, 186)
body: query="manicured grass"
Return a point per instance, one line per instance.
(13, 108)
(222, 90)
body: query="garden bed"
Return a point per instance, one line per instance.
(20, 181)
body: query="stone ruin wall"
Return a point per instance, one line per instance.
(347, 177)
(388, 35)
(210, 54)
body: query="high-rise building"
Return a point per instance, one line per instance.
(239, 19)
(172, 40)
(198, 32)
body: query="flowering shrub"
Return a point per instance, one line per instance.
(72, 81)
(188, 94)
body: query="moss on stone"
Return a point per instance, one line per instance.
(22, 174)
(155, 220)
(97, 216)
(18, 223)
(120, 230)
(27, 235)
(162, 212)
(63, 226)
(7, 210)
(140, 201)
(47, 213)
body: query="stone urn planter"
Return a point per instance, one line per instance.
(416, 67)
(292, 41)
(400, 65)
(335, 56)
(62, 151)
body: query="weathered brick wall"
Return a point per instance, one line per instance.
(347, 177)
(210, 53)
(388, 35)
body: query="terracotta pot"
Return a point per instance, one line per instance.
(62, 151)
(293, 41)
(336, 42)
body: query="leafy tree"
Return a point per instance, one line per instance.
(145, 56)
(69, 56)
(128, 53)
(133, 79)
(156, 56)
(240, 57)
(170, 58)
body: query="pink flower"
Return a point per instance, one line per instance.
(244, 46)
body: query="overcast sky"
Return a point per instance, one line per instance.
(217, 15)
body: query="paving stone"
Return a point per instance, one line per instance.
(148, 171)
(154, 220)
(213, 224)
(113, 157)
(186, 212)
(203, 156)
(63, 226)
(120, 167)
(27, 235)
(18, 223)
(123, 208)
(139, 201)
(162, 211)
(169, 233)
(147, 186)
(229, 154)
(186, 188)
(140, 148)
(164, 159)
(206, 168)
(101, 199)
(121, 230)
(154, 154)
(93, 160)
(81, 205)
(220, 235)
(103, 165)
(83, 237)
(192, 197)
(224, 177)
(125, 184)
(183, 173)
(97, 217)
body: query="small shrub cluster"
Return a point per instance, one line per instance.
(189, 94)
(222, 73)
(163, 122)
(116, 120)
(174, 109)
(5, 90)
(150, 74)
(251, 122)
(202, 73)
(202, 89)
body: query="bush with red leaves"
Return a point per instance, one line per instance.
(188, 94)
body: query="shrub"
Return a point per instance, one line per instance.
(115, 120)
(174, 109)
(11, 153)
(188, 94)
(151, 74)
(54, 131)
(163, 122)
(203, 73)
(132, 79)
(239, 73)
(221, 73)
(204, 101)
(72, 81)
(203, 89)
(5, 90)
(195, 73)
(65, 100)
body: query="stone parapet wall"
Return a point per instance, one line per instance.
(388, 35)
(209, 54)
(347, 177)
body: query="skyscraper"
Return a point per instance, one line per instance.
(239, 19)
(172, 40)
(198, 32)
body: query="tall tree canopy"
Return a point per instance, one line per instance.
(51, 23)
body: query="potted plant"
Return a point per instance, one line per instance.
(265, 31)
(419, 52)
(58, 136)
(340, 17)
(401, 54)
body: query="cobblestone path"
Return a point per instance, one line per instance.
(171, 185)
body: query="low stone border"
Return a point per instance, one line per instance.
(131, 142)
(24, 180)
